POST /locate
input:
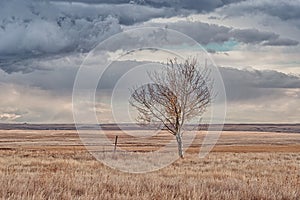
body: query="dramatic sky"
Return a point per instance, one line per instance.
(255, 44)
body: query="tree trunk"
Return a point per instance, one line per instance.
(179, 144)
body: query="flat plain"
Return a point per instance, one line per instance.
(248, 162)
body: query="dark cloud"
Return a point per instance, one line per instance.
(205, 33)
(34, 30)
(94, 1)
(256, 88)
(115, 71)
(61, 79)
(35, 27)
(197, 5)
(241, 84)
(261, 95)
(249, 84)
(41, 29)
(284, 10)
(25, 63)
(281, 42)
(253, 35)
(201, 32)
(127, 14)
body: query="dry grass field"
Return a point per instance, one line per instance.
(53, 164)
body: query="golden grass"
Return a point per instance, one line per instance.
(76, 175)
(244, 165)
(229, 141)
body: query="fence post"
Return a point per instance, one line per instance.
(116, 142)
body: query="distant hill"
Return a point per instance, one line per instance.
(282, 128)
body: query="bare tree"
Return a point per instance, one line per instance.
(180, 93)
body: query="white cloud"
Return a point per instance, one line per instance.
(31, 104)
(9, 116)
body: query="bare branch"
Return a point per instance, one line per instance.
(180, 93)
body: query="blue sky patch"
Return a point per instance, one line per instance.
(221, 47)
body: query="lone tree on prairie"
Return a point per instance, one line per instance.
(179, 93)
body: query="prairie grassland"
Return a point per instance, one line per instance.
(247, 169)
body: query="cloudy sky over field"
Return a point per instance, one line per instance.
(254, 42)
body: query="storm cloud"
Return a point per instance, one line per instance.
(205, 33)
(243, 87)
(284, 10)
(250, 84)
(196, 5)
(33, 30)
